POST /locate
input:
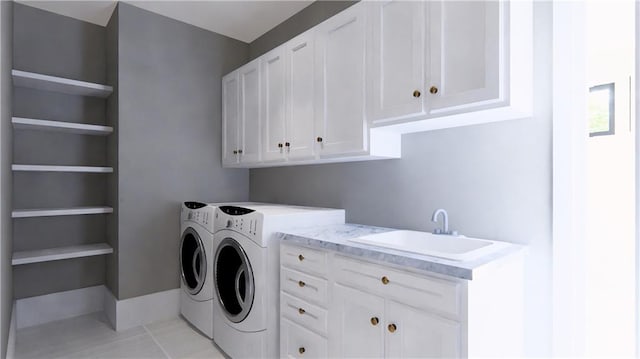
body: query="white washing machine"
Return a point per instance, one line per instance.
(246, 269)
(197, 248)
(196, 265)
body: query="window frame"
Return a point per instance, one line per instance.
(612, 108)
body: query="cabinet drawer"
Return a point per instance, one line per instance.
(419, 291)
(303, 313)
(304, 286)
(298, 342)
(304, 259)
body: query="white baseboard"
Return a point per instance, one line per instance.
(11, 342)
(56, 306)
(122, 314)
(132, 312)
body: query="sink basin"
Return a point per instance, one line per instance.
(457, 248)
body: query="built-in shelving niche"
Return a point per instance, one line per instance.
(72, 87)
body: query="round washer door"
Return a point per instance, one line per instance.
(193, 261)
(234, 280)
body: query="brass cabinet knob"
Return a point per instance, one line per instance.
(240, 151)
(287, 144)
(392, 328)
(433, 90)
(301, 311)
(235, 152)
(375, 321)
(416, 93)
(319, 139)
(301, 350)
(300, 257)
(279, 145)
(385, 280)
(301, 283)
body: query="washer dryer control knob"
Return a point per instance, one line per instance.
(229, 223)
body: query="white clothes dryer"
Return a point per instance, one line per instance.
(246, 269)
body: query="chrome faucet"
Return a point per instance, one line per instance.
(445, 223)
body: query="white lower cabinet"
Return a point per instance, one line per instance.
(303, 303)
(357, 324)
(298, 342)
(413, 333)
(339, 306)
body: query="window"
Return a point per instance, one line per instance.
(601, 111)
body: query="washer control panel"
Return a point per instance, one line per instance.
(202, 215)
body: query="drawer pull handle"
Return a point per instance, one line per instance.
(301, 350)
(416, 94)
(300, 257)
(385, 280)
(433, 90)
(392, 328)
(301, 283)
(301, 311)
(375, 321)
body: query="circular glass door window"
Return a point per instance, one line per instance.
(234, 280)
(193, 262)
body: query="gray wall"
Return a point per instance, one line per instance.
(169, 133)
(112, 151)
(6, 242)
(57, 45)
(494, 179)
(305, 19)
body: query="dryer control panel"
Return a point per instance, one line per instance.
(242, 220)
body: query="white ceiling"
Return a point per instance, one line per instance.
(241, 20)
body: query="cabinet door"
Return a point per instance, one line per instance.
(300, 89)
(357, 324)
(273, 104)
(230, 118)
(465, 45)
(418, 334)
(299, 342)
(341, 90)
(397, 59)
(249, 75)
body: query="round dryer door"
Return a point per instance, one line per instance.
(234, 280)
(193, 261)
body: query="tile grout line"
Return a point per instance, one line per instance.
(157, 342)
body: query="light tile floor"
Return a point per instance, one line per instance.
(90, 336)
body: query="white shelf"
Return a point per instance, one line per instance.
(25, 213)
(21, 123)
(46, 168)
(54, 254)
(59, 84)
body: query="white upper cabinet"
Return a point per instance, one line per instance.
(241, 116)
(340, 96)
(441, 64)
(397, 59)
(348, 88)
(465, 46)
(230, 118)
(250, 113)
(274, 104)
(300, 116)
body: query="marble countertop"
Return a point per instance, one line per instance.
(336, 238)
